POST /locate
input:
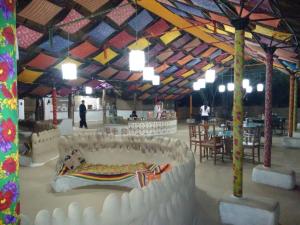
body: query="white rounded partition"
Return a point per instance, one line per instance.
(168, 201)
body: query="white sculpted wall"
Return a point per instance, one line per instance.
(168, 201)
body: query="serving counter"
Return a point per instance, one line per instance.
(143, 127)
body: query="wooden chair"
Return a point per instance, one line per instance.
(251, 140)
(213, 145)
(198, 134)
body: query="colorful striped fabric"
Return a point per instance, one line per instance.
(142, 176)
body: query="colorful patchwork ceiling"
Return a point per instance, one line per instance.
(182, 39)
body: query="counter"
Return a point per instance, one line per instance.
(143, 128)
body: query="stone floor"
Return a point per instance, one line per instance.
(212, 182)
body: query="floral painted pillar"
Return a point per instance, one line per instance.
(291, 105)
(238, 111)
(54, 105)
(268, 106)
(9, 159)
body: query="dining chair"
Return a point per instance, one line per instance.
(213, 144)
(251, 142)
(198, 134)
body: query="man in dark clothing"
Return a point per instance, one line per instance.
(82, 114)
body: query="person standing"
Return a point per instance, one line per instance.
(204, 111)
(82, 114)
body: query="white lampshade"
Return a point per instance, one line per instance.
(136, 60)
(196, 86)
(249, 89)
(210, 76)
(260, 87)
(69, 71)
(156, 80)
(148, 73)
(222, 88)
(202, 83)
(246, 83)
(230, 86)
(88, 90)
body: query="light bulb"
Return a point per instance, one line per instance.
(222, 88)
(69, 71)
(260, 87)
(196, 86)
(156, 80)
(136, 60)
(210, 76)
(202, 83)
(88, 90)
(148, 73)
(246, 83)
(249, 89)
(230, 86)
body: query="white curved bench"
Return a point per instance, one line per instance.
(168, 201)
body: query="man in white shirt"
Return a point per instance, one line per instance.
(204, 111)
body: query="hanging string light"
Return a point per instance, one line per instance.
(222, 87)
(69, 70)
(137, 57)
(230, 85)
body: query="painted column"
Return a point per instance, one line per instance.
(9, 158)
(104, 106)
(291, 105)
(54, 106)
(238, 111)
(268, 107)
(295, 117)
(191, 106)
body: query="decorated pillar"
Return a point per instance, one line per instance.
(54, 105)
(191, 106)
(268, 107)
(104, 106)
(9, 158)
(71, 107)
(295, 116)
(291, 105)
(238, 111)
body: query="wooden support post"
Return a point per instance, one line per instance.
(291, 105)
(295, 116)
(191, 106)
(54, 106)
